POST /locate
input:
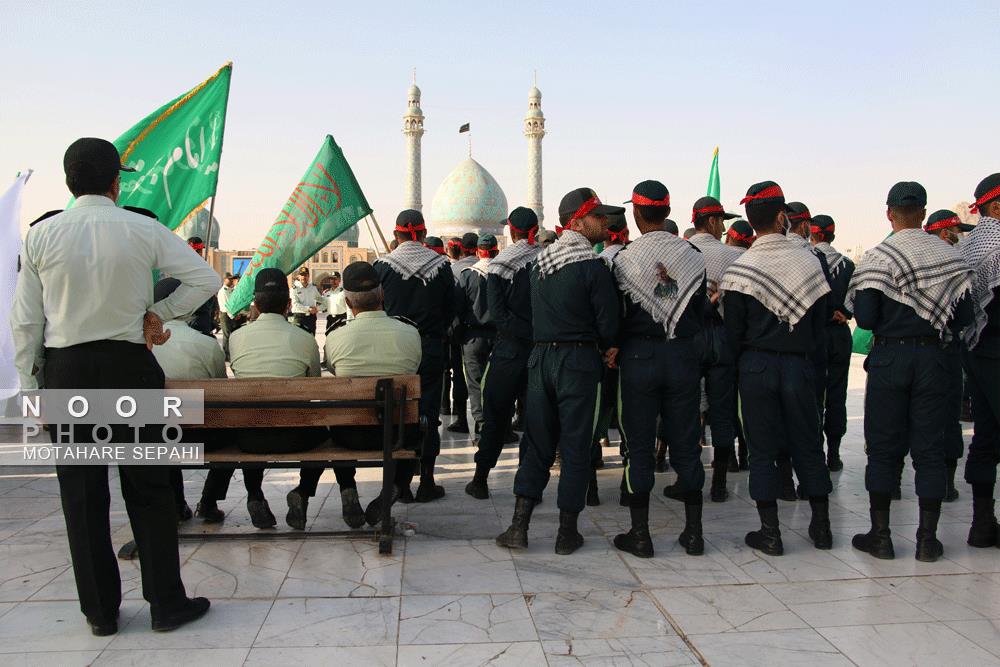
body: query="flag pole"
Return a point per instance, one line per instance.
(379, 230)
(211, 215)
(371, 235)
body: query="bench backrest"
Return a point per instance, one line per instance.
(250, 393)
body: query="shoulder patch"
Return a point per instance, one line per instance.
(404, 320)
(338, 322)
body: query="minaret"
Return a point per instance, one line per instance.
(413, 130)
(534, 130)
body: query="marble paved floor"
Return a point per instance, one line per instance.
(448, 595)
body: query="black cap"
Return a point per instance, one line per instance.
(487, 242)
(522, 218)
(766, 192)
(335, 274)
(360, 277)
(823, 223)
(577, 203)
(650, 193)
(195, 240)
(270, 280)
(97, 157)
(944, 219)
(409, 218)
(670, 226)
(470, 240)
(165, 288)
(741, 229)
(907, 193)
(617, 222)
(798, 212)
(44, 216)
(142, 211)
(987, 190)
(710, 206)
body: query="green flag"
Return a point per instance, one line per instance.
(327, 202)
(713, 176)
(175, 151)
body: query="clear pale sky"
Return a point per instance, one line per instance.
(835, 102)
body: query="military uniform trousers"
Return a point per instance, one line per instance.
(86, 498)
(780, 414)
(984, 452)
(456, 377)
(505, 377)
(908, 405)
(305, 321)
(431, 373)
(660, 378)
(564, 394)
(719, 371)
(834, 387)
(475, 357)
(954, 443)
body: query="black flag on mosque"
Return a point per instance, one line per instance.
(464, 128)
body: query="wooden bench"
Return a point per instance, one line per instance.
(386, 402)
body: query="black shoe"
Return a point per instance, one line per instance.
(719, 493)
(768, 538)
(516, 536)
(373, 513)
(406, 495)
(788, 493)
(351, 510)
(568, 539)
(297, 506)
(103, 628)
(661, 456)
(950, 492)
(929, 547)
(460, 425)
(428, 492)
(191, 610)
(819, 526)
(876, 542)
(983, 532)
(209, 512)
(260, 514)
(691, 537)
(478, 489)
(184, 513)
(636, 542)
(593, 500)
(129, 551)
(833, 463)
(674, 491)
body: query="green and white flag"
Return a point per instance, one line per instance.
(327, 202)
(175, 152)
(713, 176)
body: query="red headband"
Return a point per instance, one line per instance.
(816, 229)
(992, 194)
(484, 253)
(531, 235)
(646, 201)
(941, 224)
(800, 216)
(585, 208)
(708, 209)
(740, 237)
(560, 230)
(618, 237)
(412, 229)
(454, 244)
(436, 248)
(197, 246)
(767, 193)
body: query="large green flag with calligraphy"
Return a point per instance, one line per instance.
(176, 150)
(327, 202)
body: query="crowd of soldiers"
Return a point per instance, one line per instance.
(549, 337)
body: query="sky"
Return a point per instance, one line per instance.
(834, 101)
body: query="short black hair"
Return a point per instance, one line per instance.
(227, 276)
(701, 219)
(654, 215)
(911, 215)
(271, 302)
(83, 180)
(403, 237)
(761, 216)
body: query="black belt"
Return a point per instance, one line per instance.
(909, 340)
(566, 343)
(799, 355)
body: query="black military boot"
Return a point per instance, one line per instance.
(428, 490)
(691, 537)
(661, 456)
(718, 492)
(351, 510)
(516, 537)
(876, 542)
(674, 491)
(568, 539)
(983, 532)
(593, 500)
(929, 547)
(478, 487)
(461, 423)
(833, 462)
(768, 538)
(819, 525)
(950, 492)
(637, 540)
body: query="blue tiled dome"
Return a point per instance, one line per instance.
(468, 200)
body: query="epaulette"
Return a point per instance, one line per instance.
(44, 216)
(338, 322)
(404, 320)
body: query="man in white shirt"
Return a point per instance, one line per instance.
(83, 317)
(306, 300)
(228, 322)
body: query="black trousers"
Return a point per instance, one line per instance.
(984, 452)
(305, 322)
(475, 358)
(455, 375)
(609, 405)
(431, 373)
(838, 368)
(780, 414)
(86, 498)
(954, 444)
(228, 326)
(907, 411)
(563, 392)
(505, 376)
(283, 441)
(719, 370)
(660, 378)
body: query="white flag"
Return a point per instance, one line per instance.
(10, 248)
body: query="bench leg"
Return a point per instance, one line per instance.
(388, 481)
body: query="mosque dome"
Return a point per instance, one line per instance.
(350, 235)
(468, 200)
(196, 224)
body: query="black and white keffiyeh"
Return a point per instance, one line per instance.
(609, 253)
(481, 266)
(981, 250)
(834, 259)
(916, 269)
(513, 258)
(661, 273)
(569, 248)
(785, 277)
(411, 259)
(718, 257)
